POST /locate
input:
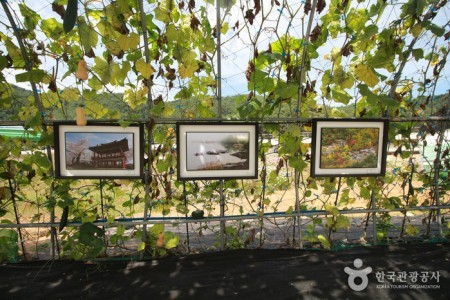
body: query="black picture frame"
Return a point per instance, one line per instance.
(349, 147)
(98, 151)
(217, 150)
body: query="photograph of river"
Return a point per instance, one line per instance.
(349, 148)
(217, 150)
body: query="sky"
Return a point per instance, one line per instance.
(97, 138)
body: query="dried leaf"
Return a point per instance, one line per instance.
(362, 113)
(257, 6)
(52, 85)
(59, 9)
(447, 36)
(315, 33)
(194, 23)
(170, 73)
(307, 7)
(90, 53)
(249, 16)
(236, 25)
(250, 70)
(191, 5)
(320, 6)
(343, 4)
(250, 96)
(347, 49)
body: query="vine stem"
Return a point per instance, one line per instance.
(148, 173)
(305, 46)
(186, 215)
(437, 167)
(16, 213)
(37, 100)
(335, 204)
(219, 61)
(407, 53)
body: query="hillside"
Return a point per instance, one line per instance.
(232, 107)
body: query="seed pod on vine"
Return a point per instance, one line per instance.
(81, 72)
(80, 116)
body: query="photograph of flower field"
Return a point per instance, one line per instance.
(349, 147)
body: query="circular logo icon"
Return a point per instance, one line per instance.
(360, 273)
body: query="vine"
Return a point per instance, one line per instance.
(158, 62)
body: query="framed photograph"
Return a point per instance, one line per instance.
(98, 150)
(217, 150)
(349, 147)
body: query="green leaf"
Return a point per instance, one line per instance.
(163, 10)
(135, 98)
(365, 192)
(365, 73)
(411, 230)
(103, 69)
(141, 246)
(95, 84)
(343, 79)
(9, 249)
(144, 68)
(119, 73)
(356, 19)
(52, 28)
(172, 240)
(168, 111)
(340, 96)
(128, 42)
(88, 35)
(324, 241)
(297, 163)
(187, 71)
(156, 229)
(388, 101)
(70, 16)
(42, 160)
(286, 90)
(9, 234)
(88, 218)
(342, 222)
(224, 28)
(332, 209)
(89, 233)
(120, 230)
(30, 17)
(416, 30)
(34, 76)
(417, 53)
(205, 112)
(70, 94)
(436, 30)
(262, 82)
(364, 41)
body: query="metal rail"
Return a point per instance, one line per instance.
(182, 220)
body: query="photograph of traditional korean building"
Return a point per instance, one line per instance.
(110, 155)
(99, 150)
